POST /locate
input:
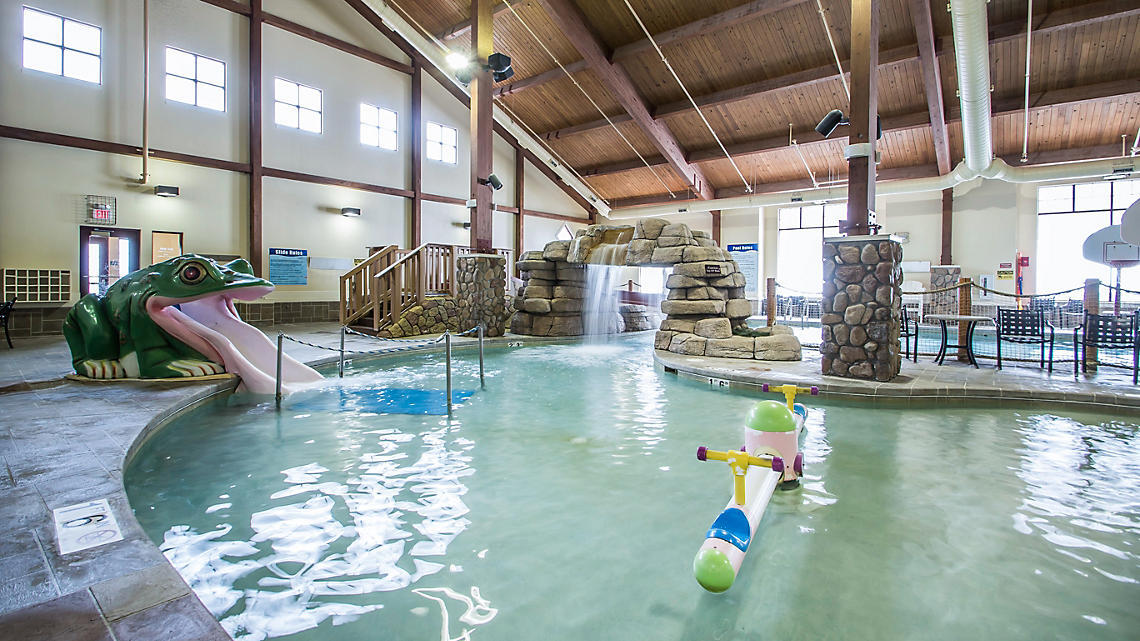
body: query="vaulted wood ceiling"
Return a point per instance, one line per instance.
(757, 67)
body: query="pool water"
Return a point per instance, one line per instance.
(565, 501)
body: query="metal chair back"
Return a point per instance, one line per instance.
(1021, 323)
(1108, 331)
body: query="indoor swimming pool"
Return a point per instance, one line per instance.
(565, 501)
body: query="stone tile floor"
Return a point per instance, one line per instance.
(64, 442)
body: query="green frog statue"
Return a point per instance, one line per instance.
(177, 319)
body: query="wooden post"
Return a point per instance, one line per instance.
(520, 187)
(716, 226)
(771, 301)
(482, 125)
(1092, 306)
(395, 295)
(255, 159)
(965, 307)
(864, 113)
(947, 225)
(417, 154)
(453, 283)
(421, 276)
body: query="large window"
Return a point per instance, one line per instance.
(799, 244)
(56, 45)
(1068, 214)
(377, 126)
(195, 80)
(441, 143)
(296, 105)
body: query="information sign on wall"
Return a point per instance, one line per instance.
(288, 266)
(747, 257)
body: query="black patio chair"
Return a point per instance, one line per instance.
(1046, 304)
(1109, 332)
(1026, 326)
(5, 312)
(907, 331)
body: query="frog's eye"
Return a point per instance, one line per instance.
(192, 273)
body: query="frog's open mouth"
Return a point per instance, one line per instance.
(210, 324)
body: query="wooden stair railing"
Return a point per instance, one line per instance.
(392, 280)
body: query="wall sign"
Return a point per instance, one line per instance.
(288, 266)
(747, 257)
(712, 270)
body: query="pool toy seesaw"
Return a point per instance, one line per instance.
(770, 458)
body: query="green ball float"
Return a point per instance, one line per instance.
(770, 416)
(713, 570)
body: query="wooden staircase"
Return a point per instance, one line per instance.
(375, 293)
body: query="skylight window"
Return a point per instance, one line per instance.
(195, 80)
(441, 143)
(62, 47)
(377, 126)
(297, 106)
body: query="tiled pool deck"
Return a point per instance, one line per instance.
(64, 442)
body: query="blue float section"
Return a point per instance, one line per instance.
(801, 410)
(392, 400)
(732, 526)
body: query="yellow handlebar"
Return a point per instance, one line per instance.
(738, 462)
(790, 391)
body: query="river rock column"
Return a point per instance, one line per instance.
(482, 284)
(862, 302)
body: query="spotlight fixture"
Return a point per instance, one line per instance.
(467, 225)
(493, 181)
(351, 212)
(166, 191)
(457, 61)
(835, 117)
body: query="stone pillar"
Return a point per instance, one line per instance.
(944, 302)
(862, 303)
(482, 280)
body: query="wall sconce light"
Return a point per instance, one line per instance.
(166, 191)
(499, 64)
(467, 225)
(493, 181)
(351, 212)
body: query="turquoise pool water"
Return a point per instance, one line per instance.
(565, 502)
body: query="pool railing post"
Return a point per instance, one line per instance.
(340, 367)
(771, 301)
(447, 352)
(482, 383)
(280, 340)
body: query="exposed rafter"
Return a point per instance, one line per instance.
(1117, 90)
(530, 81)
(566, 15)
(1055, 20)
(463, 28)
(931, 81)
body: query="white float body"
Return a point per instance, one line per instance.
(759, 484)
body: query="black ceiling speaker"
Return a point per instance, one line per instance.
(500, 66)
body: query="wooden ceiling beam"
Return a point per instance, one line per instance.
(932, 81)
(1055, 20)
(1113, 90)
(463, 28)
(896, 173)
(566, 15)
(722, 20)
(530, 81)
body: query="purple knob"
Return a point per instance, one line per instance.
(814, 390)
(765, 387)
(777, 464)
(701, 453)
(798, 464)
(742, 449)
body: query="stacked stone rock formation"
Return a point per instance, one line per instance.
(481, 280)
(862, 299)
(550, 301)
(436, 315)
(943, 302)
(656, 242)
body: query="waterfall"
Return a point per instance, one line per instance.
(600, 315)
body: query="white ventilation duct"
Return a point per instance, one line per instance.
(972, 55)
(971, 51)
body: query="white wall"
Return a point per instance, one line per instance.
(42, 186)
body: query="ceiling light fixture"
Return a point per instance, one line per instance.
(351, 212)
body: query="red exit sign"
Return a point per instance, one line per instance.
(101, 213)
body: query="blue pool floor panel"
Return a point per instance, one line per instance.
(393, 400)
